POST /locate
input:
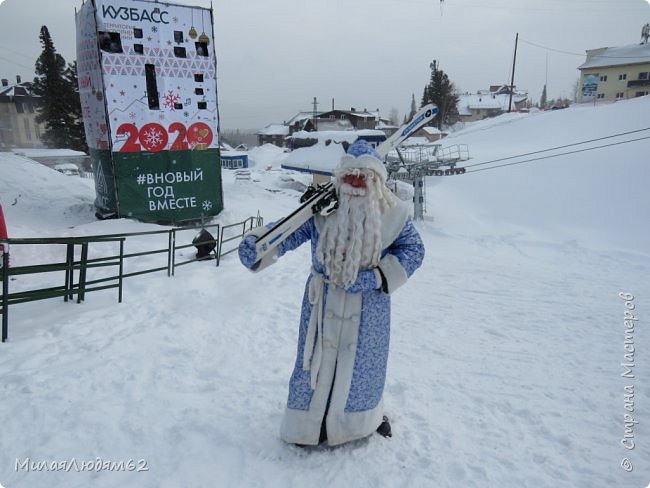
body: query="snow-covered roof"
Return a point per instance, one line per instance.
(320, 158)
(45, 152)
(274, 130)
(323, 135)
(353, 112)
(301, 116)
(431, 130)
(386, 125)
(338, 135)
(483, 103)
(364, 115)
(487, 100)
(228, 151)
(617, 56)
(22, 89)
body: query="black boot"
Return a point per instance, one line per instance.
(384, 428)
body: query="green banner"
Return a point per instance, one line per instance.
(106, 197)
(169, 186)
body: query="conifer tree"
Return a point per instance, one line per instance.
(543, 100)
(413, 107)
(442, 92)
(76, 133)
(51, 86)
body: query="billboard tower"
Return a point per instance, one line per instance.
(147, 83)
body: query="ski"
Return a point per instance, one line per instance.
(322, 199)
(421, 117)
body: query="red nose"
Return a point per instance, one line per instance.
(357, 181)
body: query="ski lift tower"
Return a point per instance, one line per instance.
(412, 165)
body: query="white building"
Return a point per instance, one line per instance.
(615, 73)
(489, 103)
(18, 126)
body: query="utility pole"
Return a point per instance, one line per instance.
(313, 115)
(512, 79)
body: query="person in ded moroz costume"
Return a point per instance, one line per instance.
(361, 254)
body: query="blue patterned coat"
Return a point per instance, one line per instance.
(347, 369)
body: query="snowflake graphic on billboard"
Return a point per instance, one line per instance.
(171, 99)
(207, 205)
(153, 137)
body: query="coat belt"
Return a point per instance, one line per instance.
(313, 350)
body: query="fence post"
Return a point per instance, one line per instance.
(69, 273)
(172, 246)
(220, 245)
(119, 295)
(169, 252)
(5, 294)
(217, 246)
(82, 272)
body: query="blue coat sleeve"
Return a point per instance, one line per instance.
(247, 253)
(298, 237)
(402, 258)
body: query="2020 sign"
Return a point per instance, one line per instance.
(153, 137)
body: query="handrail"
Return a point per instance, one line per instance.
(83, 264)
(456, 152)
(246, 225)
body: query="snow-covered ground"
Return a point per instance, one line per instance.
(506, 354)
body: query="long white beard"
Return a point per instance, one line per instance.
(351, 238)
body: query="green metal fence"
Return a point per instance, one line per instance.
(235, 232)
(77, 262)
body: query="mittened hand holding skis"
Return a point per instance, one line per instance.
(248, 252)
(367, 280)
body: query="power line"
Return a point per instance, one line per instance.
(582, 55)
(17, 64)
(559, 147)
(560, 154)
(23, 55)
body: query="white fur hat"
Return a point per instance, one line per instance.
(362, 155)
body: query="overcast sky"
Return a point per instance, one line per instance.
(275, 56)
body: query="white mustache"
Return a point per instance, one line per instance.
(346, 189)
